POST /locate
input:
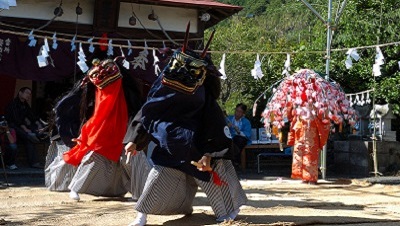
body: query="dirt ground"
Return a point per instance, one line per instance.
(271, 202)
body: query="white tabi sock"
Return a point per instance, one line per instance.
(224, 218)
(228, 217)
(141, 220)
(74, 195)
(234, 214)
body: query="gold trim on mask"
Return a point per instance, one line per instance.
(194, 61)
(181, 87)
(195, 68)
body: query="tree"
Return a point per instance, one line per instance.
(280, 25)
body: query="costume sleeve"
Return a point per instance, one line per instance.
(212, 138)
(323, 132)
(136, 133)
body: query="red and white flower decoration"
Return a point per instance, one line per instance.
(308, 95)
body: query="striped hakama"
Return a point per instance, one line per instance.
(137, 171)
(226, 198)
(58, 174)
(99, 176)
(169, 191)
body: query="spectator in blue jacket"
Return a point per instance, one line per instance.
(240, 129)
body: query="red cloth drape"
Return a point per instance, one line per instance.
(105, 130)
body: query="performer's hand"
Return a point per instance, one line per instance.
(76, 140)
(204, 164)
(130, 149)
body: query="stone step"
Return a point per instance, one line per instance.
(22, 172)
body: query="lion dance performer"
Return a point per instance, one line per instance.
(181, 116)
(64, 125)
(98, 149)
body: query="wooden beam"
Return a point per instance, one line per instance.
(55, 26)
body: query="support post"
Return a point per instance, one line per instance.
(329, 25)
(374, 138)
(328, 58)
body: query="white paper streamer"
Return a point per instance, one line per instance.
(287, 66)
(379, 60)
(256, 72)
(355, 55)
(91, 47)
(32, 39)
(46, 45)
(351, 54)
(73, 46)
(44, 54)
(42, 57)
(348, 62)
(125, 63)
(157, 69)
(44, 51)
(55, 44)
(222, 67)
(82, 60)
(110, 50)
(359, 99)
(376, 69)
(122, 52)
(129, 48)
(368, 101)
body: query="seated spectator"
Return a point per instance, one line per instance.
(240, 129)
(21, 118)
(7, 144)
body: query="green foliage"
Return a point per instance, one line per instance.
(280, 26)
(255, 7)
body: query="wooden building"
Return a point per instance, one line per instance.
(159, 22)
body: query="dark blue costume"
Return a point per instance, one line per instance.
(181, 116)
(184, 125)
